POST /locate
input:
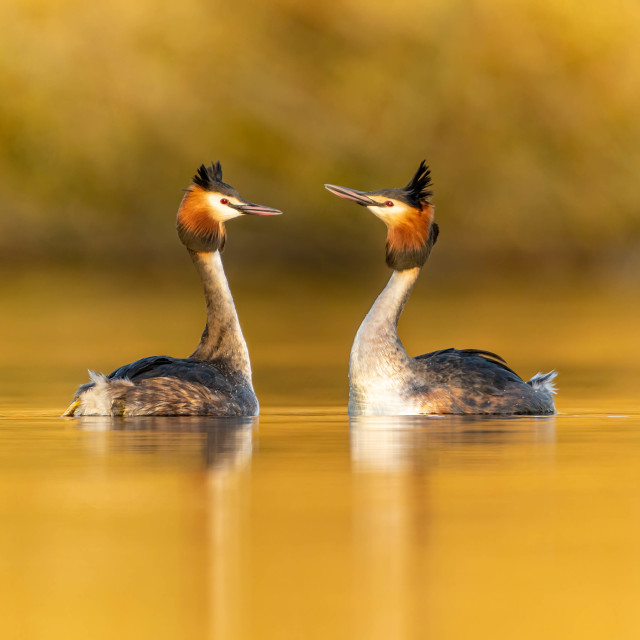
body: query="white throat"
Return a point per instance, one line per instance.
(379, 364)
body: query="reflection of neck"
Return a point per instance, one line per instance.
(377, 337)
(222, 340)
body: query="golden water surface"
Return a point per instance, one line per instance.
(302, 524)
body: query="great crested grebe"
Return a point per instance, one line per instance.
(216, 378)
(383, 379)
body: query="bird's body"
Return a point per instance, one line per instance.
(384, 379)
(216, 378)
(165, 386)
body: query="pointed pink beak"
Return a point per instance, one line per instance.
(351, 194)
(256, 209)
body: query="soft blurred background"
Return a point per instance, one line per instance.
(526, 112)
(300, 524)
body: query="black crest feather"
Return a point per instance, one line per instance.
(418, 191)
(209, 178)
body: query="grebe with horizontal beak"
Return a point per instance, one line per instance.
(383, 378)
(216, 378)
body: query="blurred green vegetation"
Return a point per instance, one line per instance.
(527, 113)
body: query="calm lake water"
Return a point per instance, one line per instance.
(302, 524)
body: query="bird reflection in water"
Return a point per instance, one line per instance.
(403, 443)
(418, 481)
(201, 468)
(225, 443)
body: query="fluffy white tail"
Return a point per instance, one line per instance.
(544, 382)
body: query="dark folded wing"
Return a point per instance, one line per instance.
(142, 366)
(467, 357)
(185, 369)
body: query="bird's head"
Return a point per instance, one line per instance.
(408, 214)
(207, 205)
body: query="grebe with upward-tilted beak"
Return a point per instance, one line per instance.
(216, 378)
(383, 379)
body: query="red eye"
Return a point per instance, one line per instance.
(224, 201)
(389, 203)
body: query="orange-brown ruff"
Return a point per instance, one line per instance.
(215, 380)
(194, 217)
(411, 231)
(383, 378)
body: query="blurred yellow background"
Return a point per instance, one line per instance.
(527, 113)
(304, 525)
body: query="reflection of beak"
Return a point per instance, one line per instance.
(255, 209)
(352, 194)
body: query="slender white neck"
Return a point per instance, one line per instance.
(222, 341)
(377, 350)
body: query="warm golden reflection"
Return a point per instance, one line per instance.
(316, 527)
(226, 443)
(124, 528)
(497, 528)
(398, 464)
(226, 447)
(405, 443)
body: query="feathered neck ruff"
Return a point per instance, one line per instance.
(197, 230)
(411, 238)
